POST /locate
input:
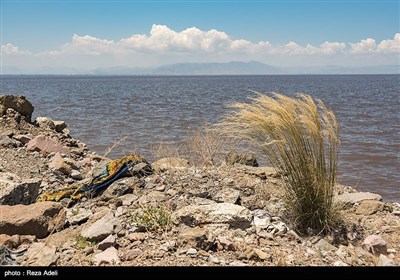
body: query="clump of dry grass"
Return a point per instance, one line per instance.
(299, 137)
(203, 146)
(151, 218)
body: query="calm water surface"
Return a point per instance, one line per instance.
(101, 110)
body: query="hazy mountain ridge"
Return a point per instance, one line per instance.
(217, 68)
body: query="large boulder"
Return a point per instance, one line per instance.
(40, 255)
(46, 145)
(18, 103)
(349, 199)
(375, 244)
(218, 213)
(36, 219)
(14, 191)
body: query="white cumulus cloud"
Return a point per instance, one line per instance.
(364, 46)
(10, 49)
(390, 46)
(163, 45)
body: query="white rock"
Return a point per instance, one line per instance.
(262, 219)
(225, 213)
(340, 263)
(191, 251)
(128, 199)
(227, 195)
(323, 245)
(213, 259)
(385, 261)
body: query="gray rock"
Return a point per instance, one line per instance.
(242, 158)
(169, 245)
(109, 256)
(132, 254)
(76, 175)
(170, 163)
(261, 172)
(59, 126)
(352, 198)
(24, 139)
(191, 251)
(213, 259)
(18, 103)
(13, 191)
(227, 195)
(128, 199)
(7, 142)
(121, 187)
(137, 236)
(226, 213)
(225, 243)
(375, 244)
(152, 197)
(261, 254)
(106, 243)
(323, 245)
(45, 122)
(369, 207)
(77, 216)
(385, 261)
(196, 237)
(39, 254)
(100, 229)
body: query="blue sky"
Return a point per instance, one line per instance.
(35, 27)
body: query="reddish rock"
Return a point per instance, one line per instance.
(132, 254)
(109, 256)
(36, 219)
(16, 240)
(17, 103)
(64, 165)
(375, 245)
(45, 145)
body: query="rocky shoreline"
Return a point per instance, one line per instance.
(182, 214)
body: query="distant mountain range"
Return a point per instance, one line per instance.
(227, 68)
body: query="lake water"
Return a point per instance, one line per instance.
(101, 110)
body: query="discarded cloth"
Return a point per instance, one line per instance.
(9, 257)
(103, 177)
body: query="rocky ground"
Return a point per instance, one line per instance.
(227, 215)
